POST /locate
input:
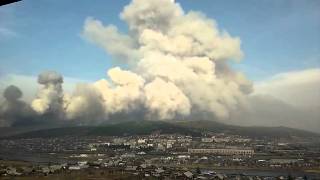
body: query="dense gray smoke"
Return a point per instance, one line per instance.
(265, 110)
(12, 93)
(13, 110)
(289, 99)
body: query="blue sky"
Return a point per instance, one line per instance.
(277, 36)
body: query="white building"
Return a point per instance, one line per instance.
(142, 141)
(221, 139)
(222, 151)
(207, 140)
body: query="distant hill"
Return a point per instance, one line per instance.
(115, 129)
(251, 131)
(34, 126)
(194, 128)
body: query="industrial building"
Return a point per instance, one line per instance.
(245, 152)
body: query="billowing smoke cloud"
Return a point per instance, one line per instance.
(12, 93)
(176, 68)
(84, 104)
(124, 93)
(177, 63)
(13, 109)
(165, 100)
(50, 96)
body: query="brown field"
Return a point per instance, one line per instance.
(88, 174)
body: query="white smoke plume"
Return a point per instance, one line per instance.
(84, 104)
(124, 93)
(176, 67)
(177, 62)
(165, 100)
(50, 96)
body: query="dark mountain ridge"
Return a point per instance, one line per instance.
(194, 128)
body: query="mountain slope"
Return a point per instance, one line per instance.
(251, 131)
(194, 128)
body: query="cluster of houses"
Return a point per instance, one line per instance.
(147, 155)
(142, 171)
(31, 170)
